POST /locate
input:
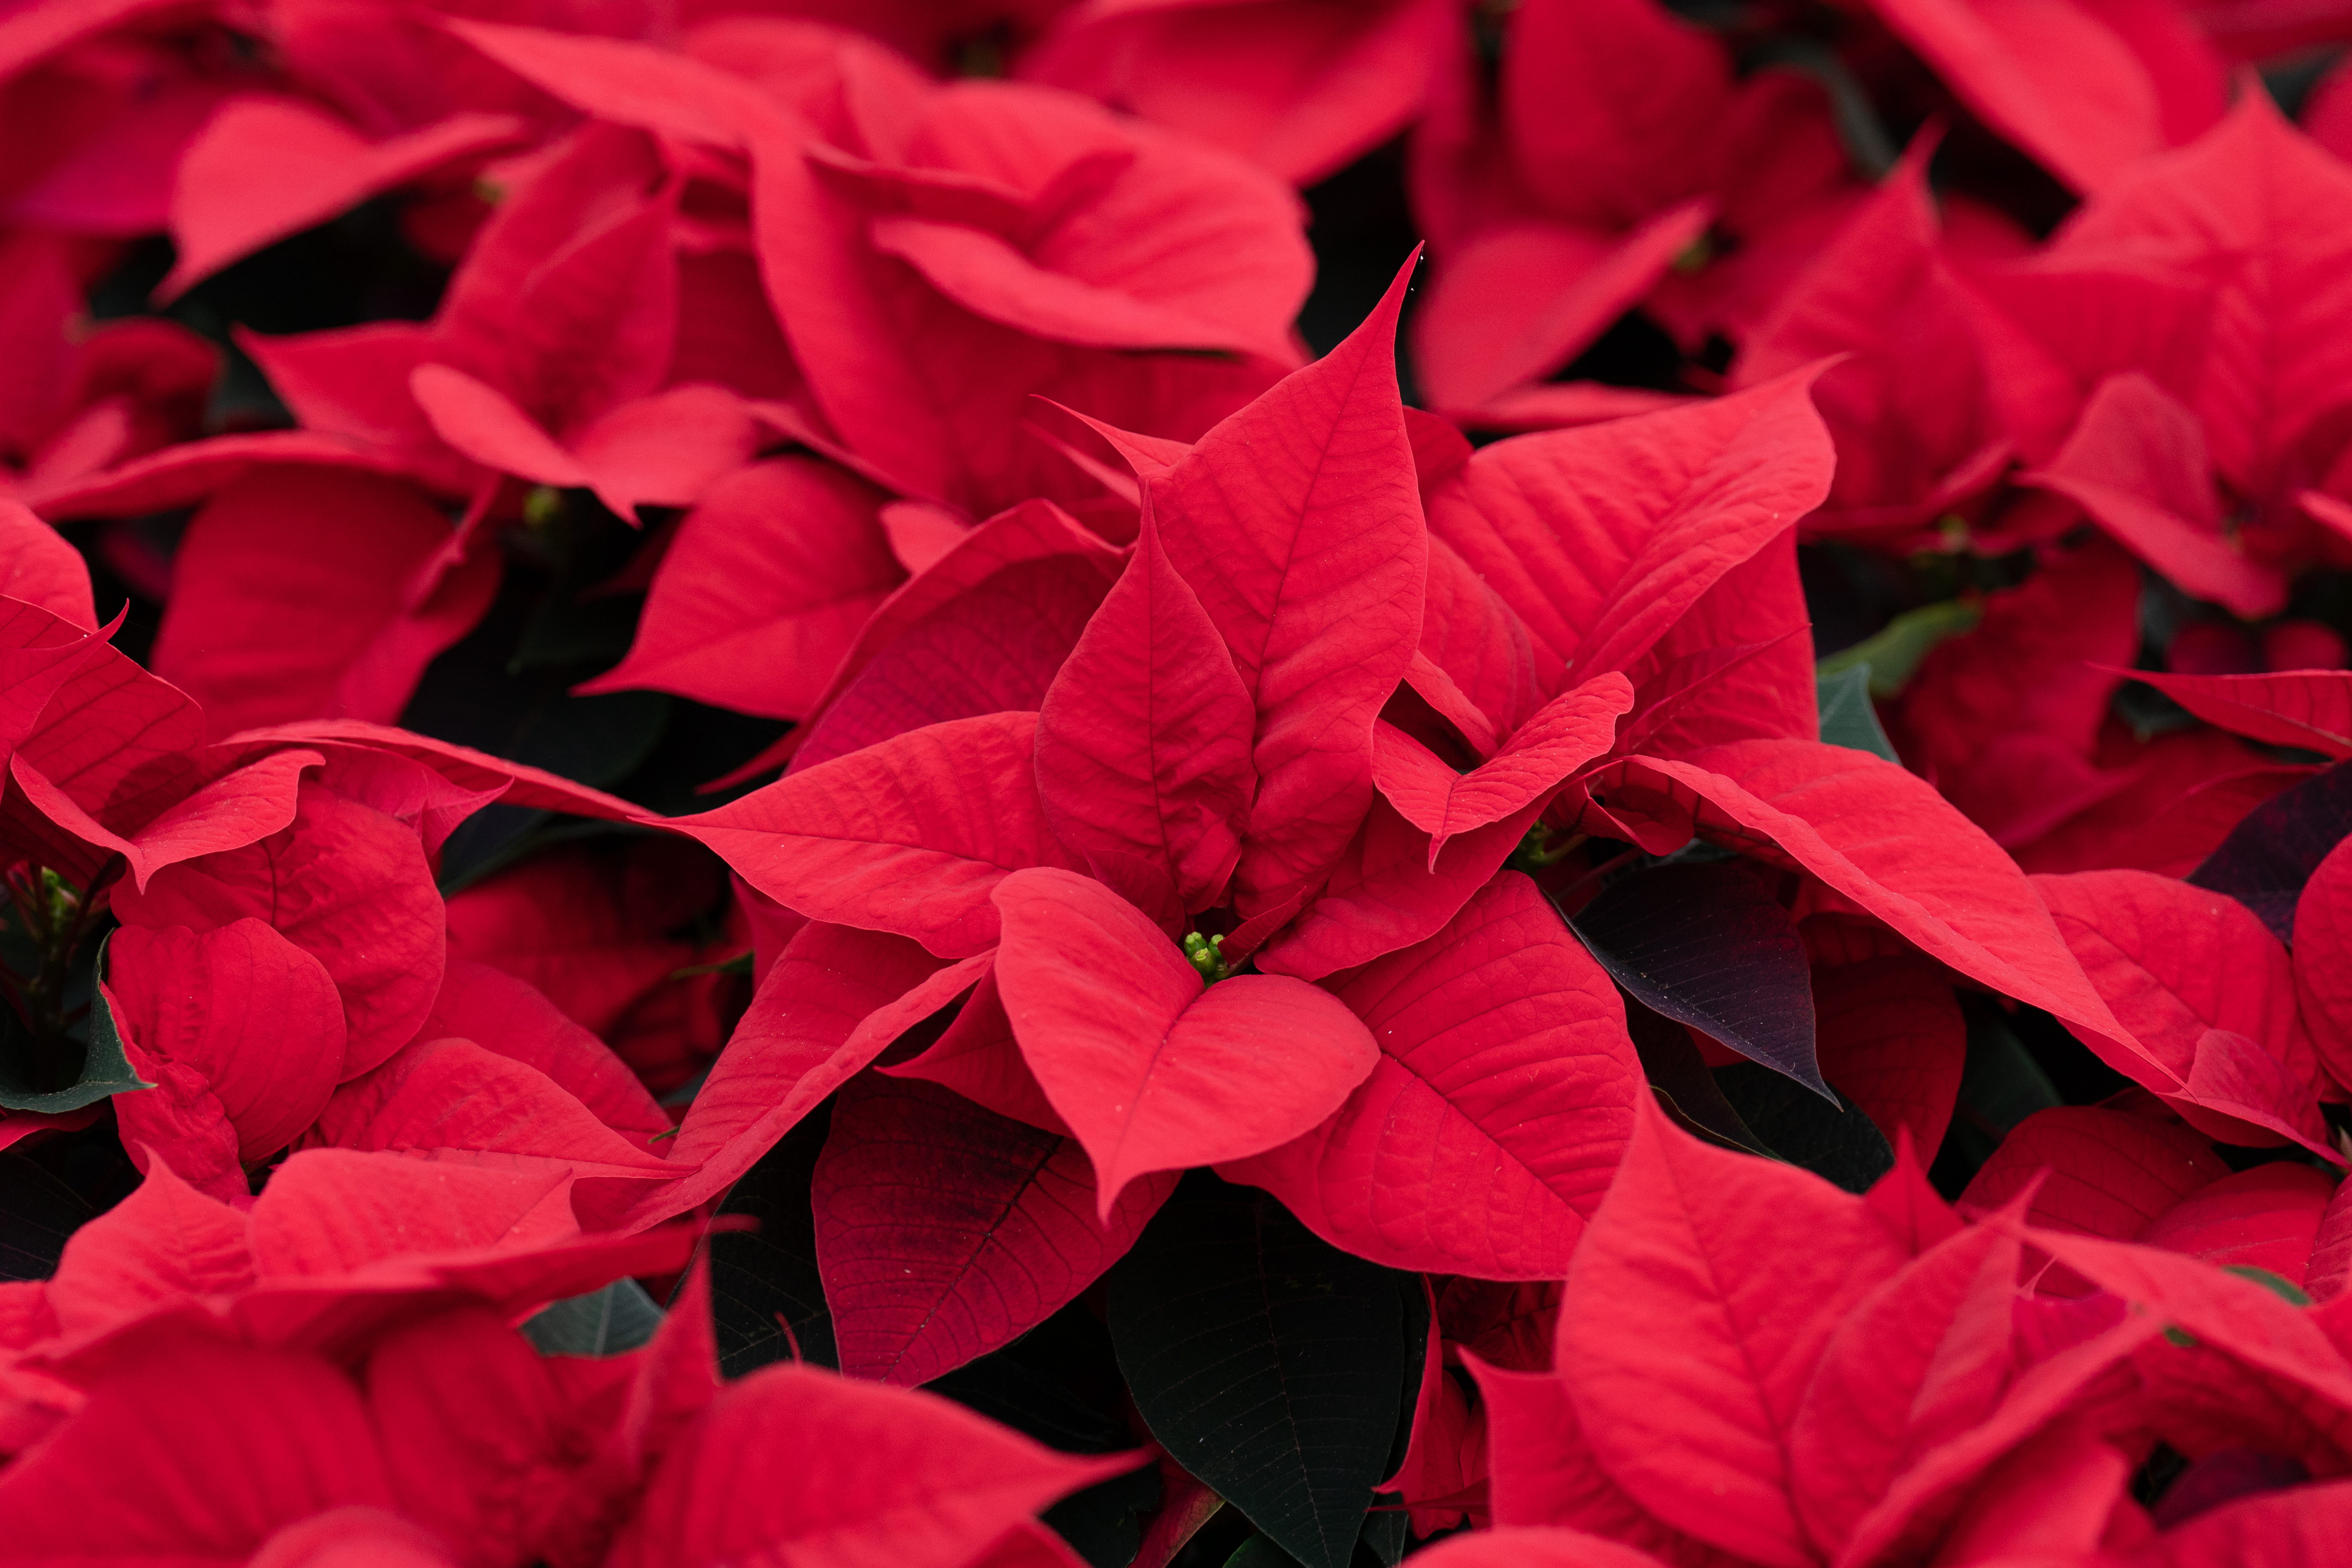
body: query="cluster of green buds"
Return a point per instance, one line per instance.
(1207, 954)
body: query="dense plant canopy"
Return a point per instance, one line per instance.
(1021, 784)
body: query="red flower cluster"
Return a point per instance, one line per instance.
(1724, 939)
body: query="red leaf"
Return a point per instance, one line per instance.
(798, 1464)
(831, 1003)
(1677, 1338)
(2268, 1217)
(1150, 1071)
(2322, 944)
(1920, 1360)
(1031, 531)
(477, 1439)
(230, 813)
(1534, 1548)
(1143, 740)
(230, 1442)
(2311, 708)
(2184, 970)
(1890, 1036)
(1496, 1114)
(2135, 463)
(265, 168)
(977, 1056)
(1602, 538)
(253, 1017)
(944, 1232)
(452, 1099)
(307, 594)
(486, 426)
(1563, 736)
(2098, 1172)
(762, 592)
(995, 649)
(2257, 195)
(2300, 1527)
(509, 1015)
(1297, 521)
(2043, 73)
(591, 932)
(1886, 839)
(909, 836)
(163, 1244)
(346, 884)
(39, 567)
(516, 783)
(330, 1211)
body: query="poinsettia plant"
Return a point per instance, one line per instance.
(1000, 783)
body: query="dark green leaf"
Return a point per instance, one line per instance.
(1267, 1362)
(2285, 1289)
(1705, 944)
(620, 1317)
(1847, 718)
(1831, 1140)
(1670, 1060)
(2271, 853)
(759, 1276)
(105, 1069)
(1893, 655)
(38, 1213)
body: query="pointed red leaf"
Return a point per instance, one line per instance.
(39, 567)
(762, 592)
(486, 426)
(163, 1244)
(1884, 838)
(336, 1211)
(2094, 1171)
(1601, 538)
(944, 1232)
(2136, 464)
(1563, 736)
(264, 168)
(2257, 195)
(2310, 709)
(977, 1056)
(1297, 521)
(1496, 1115)
(993, 650)
(792, 1463)
(1698, 1307)
(452, 1099)
(230, 813)
(2181, 967)
(1152, 1072)
(2268, 1218)
(834, 998)
(2046, 75)
(1143, 741)
(909, 836)
(1921, 1359)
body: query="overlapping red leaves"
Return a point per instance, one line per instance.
(1672, 886)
